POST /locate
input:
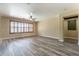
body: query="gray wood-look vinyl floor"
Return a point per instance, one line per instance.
(37, 46)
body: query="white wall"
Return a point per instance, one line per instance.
(50, 27)
(53, 26)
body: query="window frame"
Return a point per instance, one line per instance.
(23, 27)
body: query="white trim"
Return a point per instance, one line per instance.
(14, 37)
(78, 43)
(61, 40)
(6, 38)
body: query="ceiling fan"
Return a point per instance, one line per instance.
(31, 17)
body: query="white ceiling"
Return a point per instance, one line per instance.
(39, 10)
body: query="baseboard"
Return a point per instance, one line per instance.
(16, 37)
(49, 37)
(61, 40)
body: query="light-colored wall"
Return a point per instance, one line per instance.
(49, 27)
(5, 34)
(53, 26)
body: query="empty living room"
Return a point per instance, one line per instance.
(39, 29)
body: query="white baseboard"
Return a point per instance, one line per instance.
(7, 38)
(14, 37)
(61, 40)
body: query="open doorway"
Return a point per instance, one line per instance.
(70, 29)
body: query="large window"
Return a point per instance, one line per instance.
(20, 27)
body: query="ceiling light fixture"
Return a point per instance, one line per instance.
(31, 17)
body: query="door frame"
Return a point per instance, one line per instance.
(62, 27)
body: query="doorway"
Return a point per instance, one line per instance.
(70, 30)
